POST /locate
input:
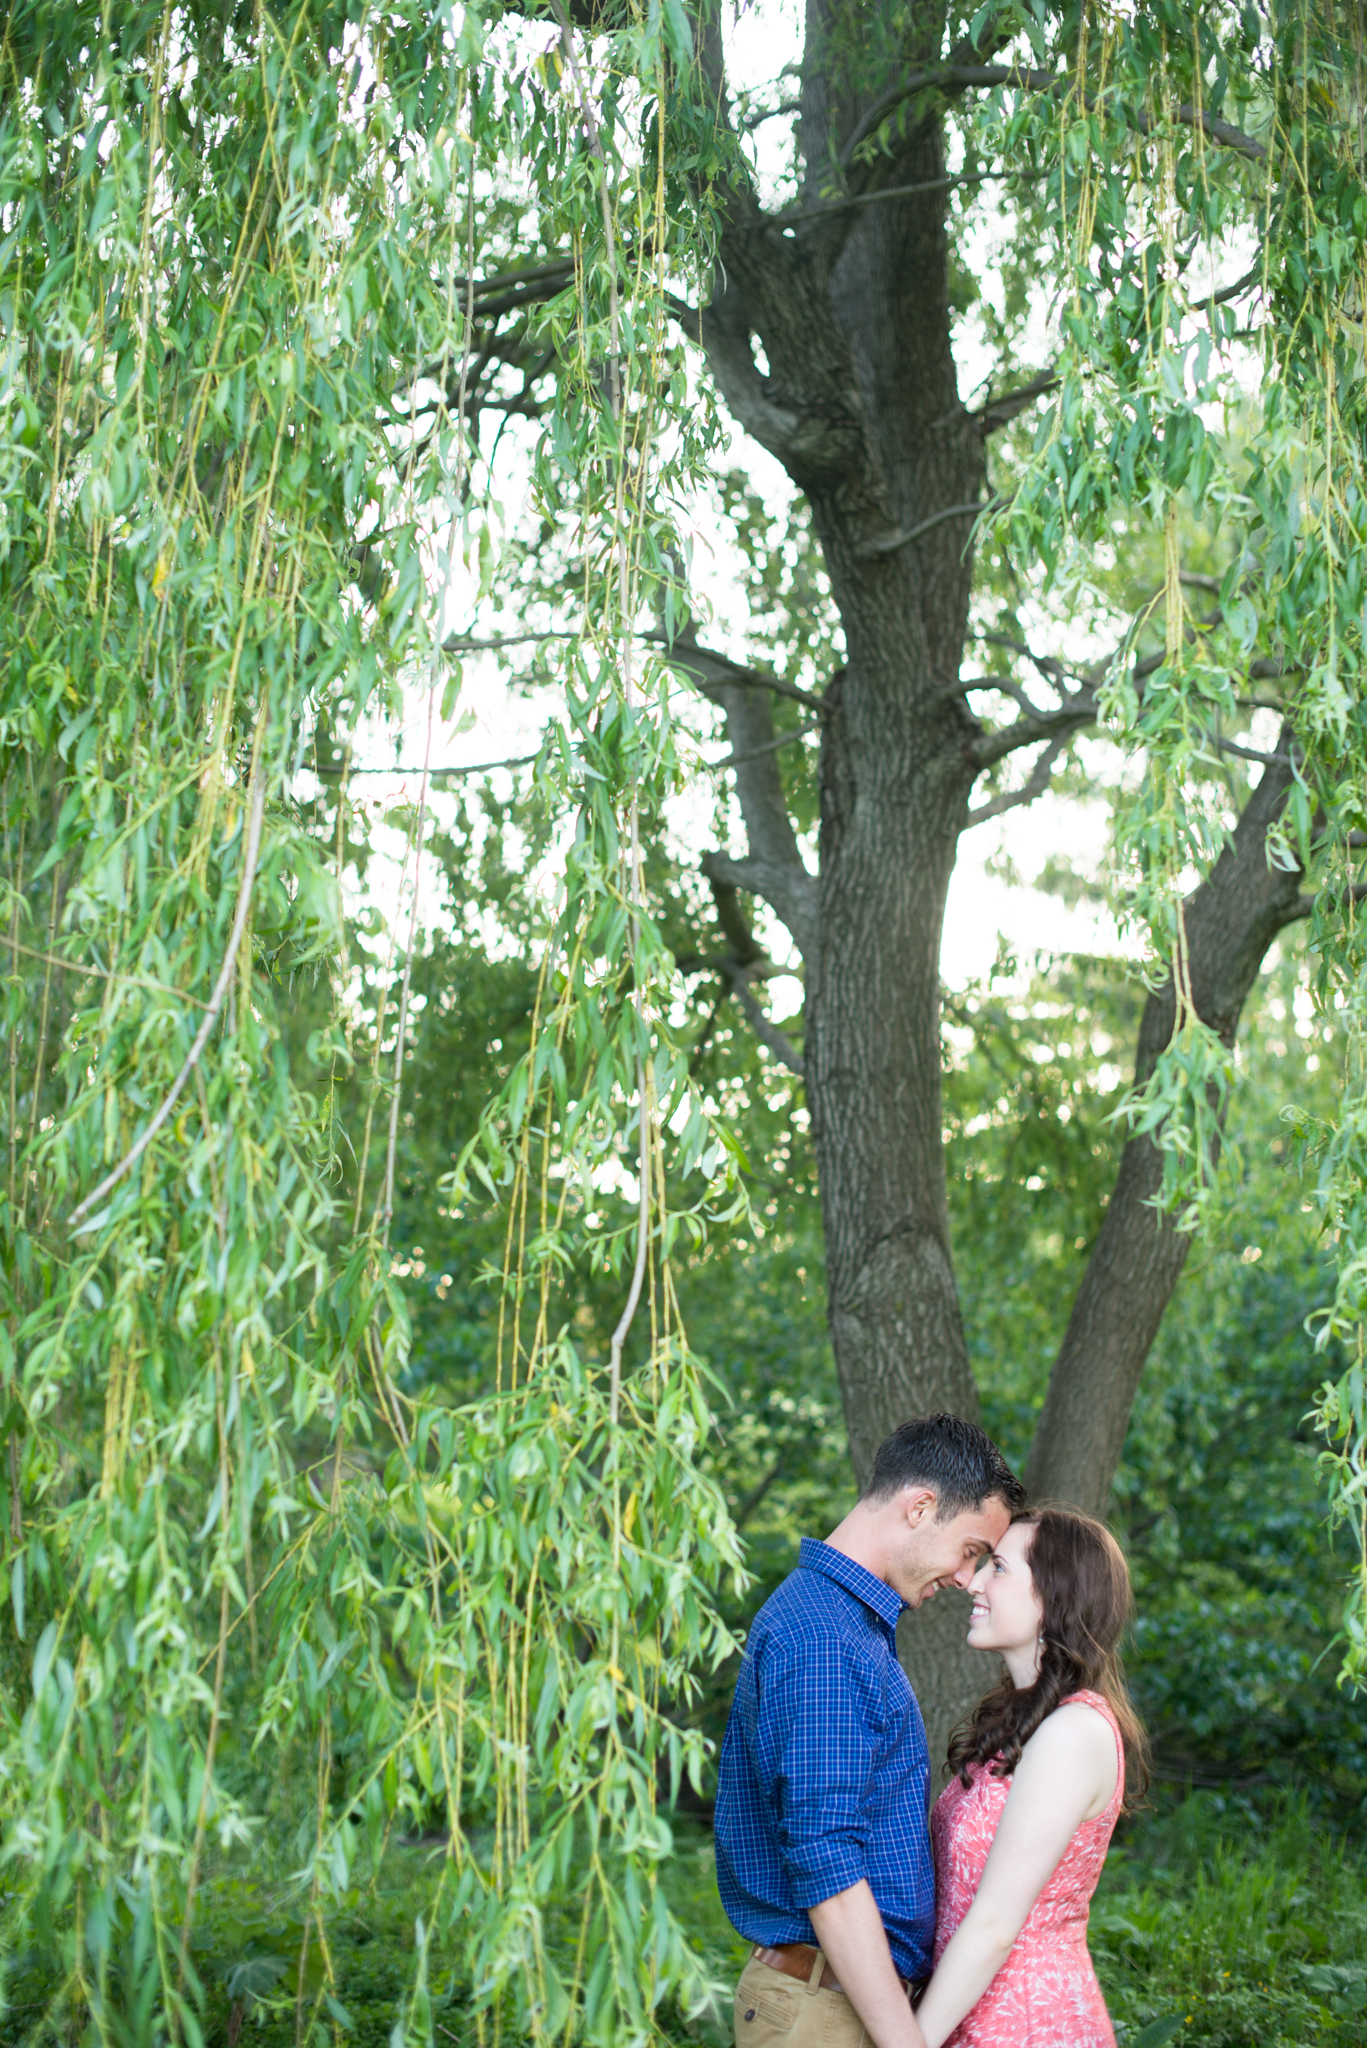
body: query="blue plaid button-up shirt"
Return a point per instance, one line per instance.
(825, 1770)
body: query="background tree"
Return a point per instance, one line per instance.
(1183, 238)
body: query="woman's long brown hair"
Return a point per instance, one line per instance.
(1083, 1584)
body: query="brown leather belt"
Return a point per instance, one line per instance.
(798, 1959)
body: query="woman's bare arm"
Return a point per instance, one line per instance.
(1066, 1775)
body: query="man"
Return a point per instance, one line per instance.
(823, 1848)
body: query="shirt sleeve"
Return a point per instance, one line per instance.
(814, 1745)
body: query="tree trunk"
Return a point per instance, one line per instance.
(890, 819)
(860, 402)
(892, 806)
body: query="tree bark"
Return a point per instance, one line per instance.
(888, 836)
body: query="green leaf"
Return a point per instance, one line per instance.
(1158, 2031)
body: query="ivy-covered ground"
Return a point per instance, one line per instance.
(1220, 1921)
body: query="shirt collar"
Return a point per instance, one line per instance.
(815, 1556)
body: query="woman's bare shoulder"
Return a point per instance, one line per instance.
(1073, 1733)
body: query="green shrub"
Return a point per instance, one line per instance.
(1247, 1927)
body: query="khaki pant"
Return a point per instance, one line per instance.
(774, 2011)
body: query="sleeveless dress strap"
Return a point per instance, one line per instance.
(1086, 1698)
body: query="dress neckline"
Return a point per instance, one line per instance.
(981, 1771)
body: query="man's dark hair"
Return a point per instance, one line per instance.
(954, 1457)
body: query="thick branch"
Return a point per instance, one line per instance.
(469, 768)
(959, 78)
(688, 317)
(746, 962)
(797, 215)
(1023, 732)
(1034, 786)
(715, 672)
(736, 926)
(808, 422)
(757, 119)
(1225, 746)
(787, 887)
(889, 543)
(774, 867)
(805, 408)
(999, 412)
(784, 739)
(1231, 920)
(1049, 666)
(765, 1030)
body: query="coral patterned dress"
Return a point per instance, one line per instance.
(1045, 1994)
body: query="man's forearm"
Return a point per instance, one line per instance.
(850, 1933)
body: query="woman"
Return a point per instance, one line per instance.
(1020, 1834)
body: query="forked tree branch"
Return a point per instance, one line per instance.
(789, 891)
(1035, 785)
(745, 963)
(773, 867)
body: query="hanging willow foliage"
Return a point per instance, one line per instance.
(235, 280)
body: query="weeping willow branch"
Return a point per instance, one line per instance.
(638, 1274)
(387, 1205)
(255, 812)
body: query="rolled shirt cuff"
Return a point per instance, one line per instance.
(814, 1879)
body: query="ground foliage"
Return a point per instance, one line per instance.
(242, 1520)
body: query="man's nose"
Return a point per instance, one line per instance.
(966, 1573)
